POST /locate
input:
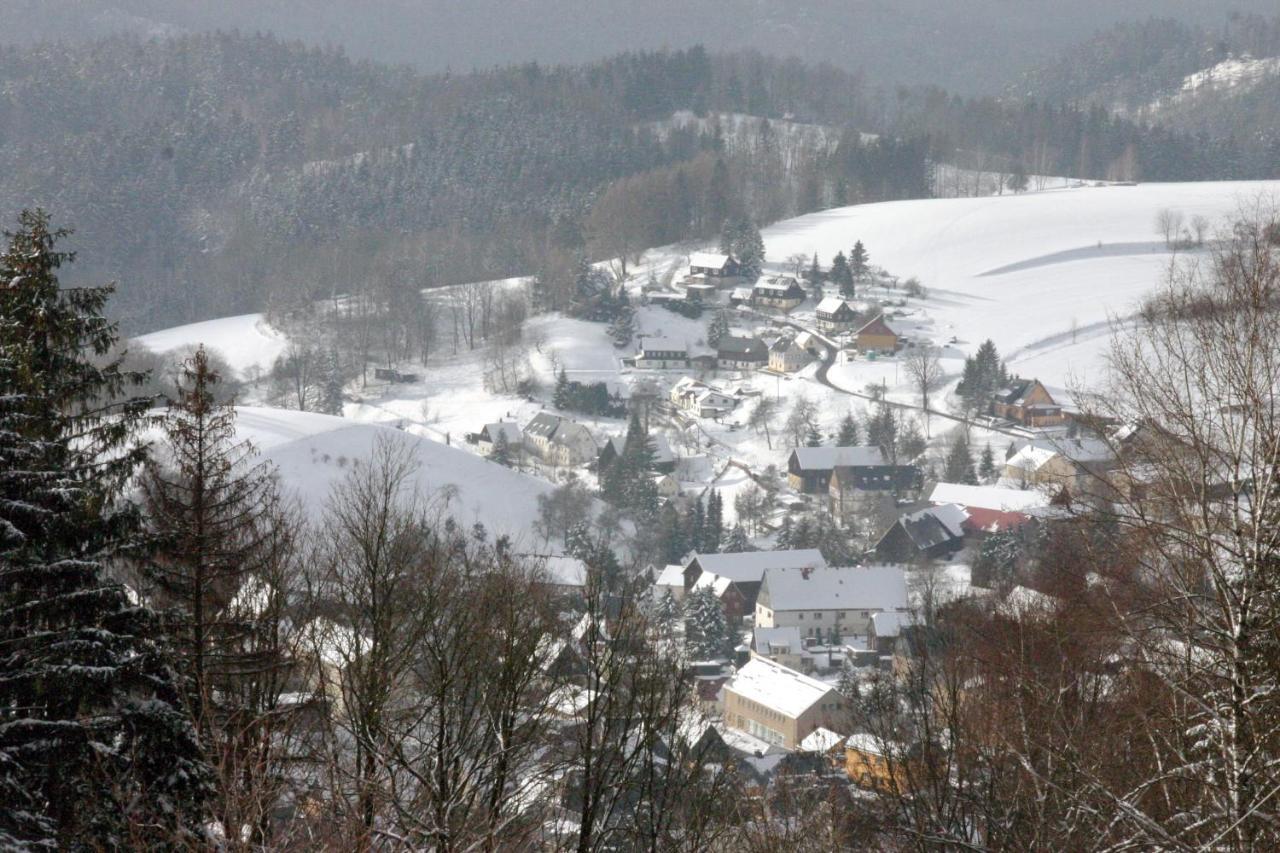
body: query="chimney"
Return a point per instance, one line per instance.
(804, 572)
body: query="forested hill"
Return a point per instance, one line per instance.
(215, 174)
(1221, 82)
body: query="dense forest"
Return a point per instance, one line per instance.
(223, 173)
(969, 46)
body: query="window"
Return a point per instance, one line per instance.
(801, 617)
(817, 615)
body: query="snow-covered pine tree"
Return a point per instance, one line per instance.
(666, 612)
(848, 434)
(737, 541)
(812, 437)
(91, 721)
(718, 328)
(707, 632)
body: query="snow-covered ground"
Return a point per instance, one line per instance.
(1046, 275)
(245, 341)
(313, 453)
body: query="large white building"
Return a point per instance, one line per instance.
(835, 601)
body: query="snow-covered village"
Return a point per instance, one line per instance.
(810, 491)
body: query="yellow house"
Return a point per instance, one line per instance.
(876, 337)
(868, 764)
(781, 706)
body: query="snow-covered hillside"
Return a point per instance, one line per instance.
(1041, 274)
(245, 341)
(314, 452)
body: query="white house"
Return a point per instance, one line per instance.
(558, 440)
(658, 353)
(787, 356)
(830, 602)
(700, 399)
(507, 431)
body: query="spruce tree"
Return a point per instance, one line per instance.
(331, 392)
(736, 541)
(858, 259)
(987, 464)
(882, 431)
(714, 531)
(959, 464)
(841, 276)
(848, 434)
(91, 721)
(218, 559)
(816, 276)
(707, 632)
(718, 328)
(560, 397)
(813, 438)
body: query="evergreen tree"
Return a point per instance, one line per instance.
(1018, 180)
(218, 544)
(911, 443)
(841, 276)
(622, 328)
(698, 527)
(816, 276)
(708, 635)
(715, 522)
(666, 612)
(813, 438)
(502, 451)
(736, 541)
(741, 238)
(331, 391)
(91, 726)
(848, 434)
(718, 328)
(671, 534)
(858, 260)
(959, 464)
(560, 397)
(987, 464)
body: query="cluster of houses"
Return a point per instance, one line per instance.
(806, 619)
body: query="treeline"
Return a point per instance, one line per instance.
(223, 173)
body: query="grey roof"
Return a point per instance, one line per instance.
(934, 525)
(732, 346)
(658, 344)
(553, 427)
(750, 566)
(828, 458)
(764, 640)
(835, 588)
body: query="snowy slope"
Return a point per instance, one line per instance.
(1025, 269)
(245, 341)
(314, 452)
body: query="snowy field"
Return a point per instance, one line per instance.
(313, 453)
(246, 341)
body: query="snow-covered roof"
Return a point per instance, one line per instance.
(661, 344)
(988, 497)
(767, 641)
(671, 575)
(717, 583)
(734, 345)
(836, 588)
(1030, 458)
(708, 260)
(748, 566)
(867, 743)
(507, 429)
(889, 623)
(777, 687)
(781, 284)
(827, 458)
(1023, 601)
(830, 304)
(821, 740)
